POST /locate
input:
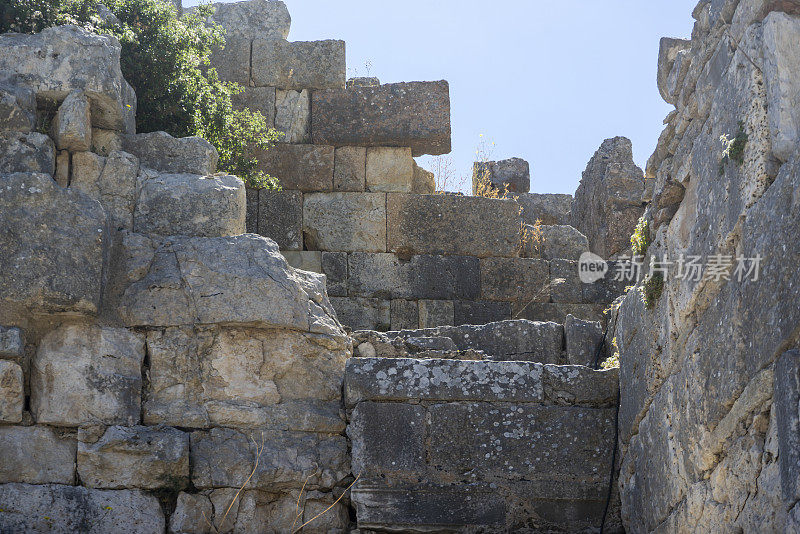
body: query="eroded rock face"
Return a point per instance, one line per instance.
(17, 108)
(253, 20)
(162, 152)
(26, 152)
(112, 181)
(36, 455)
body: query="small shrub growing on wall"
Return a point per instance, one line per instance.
(165, 58)
(640, 240)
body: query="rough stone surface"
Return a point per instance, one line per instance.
(112, 181)
(54, 241)
(556, 242)
(548, 209)
(433, 313)
(17, 108)
(415, 114)
(280, 217)
(313, 65)
(261, 99)
(104, 142)
(305, 260)
(134, 457)
(232, 62)
(36, 455)
(293, 115)
(781, 64)
(87, 375)
(349, 173)
(12, 392)
(72, 125)
(54, 508)
(27, 152)
(458, 225)
(334, 267)
(423, 182)
(257, 19)
(191, 205)
(12, 343)
(515, 279)
(508, 175)
(162, 152)
(299, 167)
(345, 222)
(787, 410)
(404, 314)
(362, 313)
(389, 169)
(481, 312)
(582, 339)
(193, 515)
(62, 59)
(251, 218)
(667, 53)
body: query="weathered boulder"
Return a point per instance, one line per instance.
(62, 59)
(349, 170)
(280, 217)
(12, 392)
(299, 167)
(133, 457)
(17, 108)
(508, 175)
(608, 202)
(345, 222)
(415, 114)
(83, 374)
(27, 152)
(36, 455)
(313, 65)
(254, 19)
(548, 209)
(54, 241)
(667, 53)
(781, 64)
(191, 205)
(112, 181)
(54, 508)
(162, 152)
(293, 115)
(193, 515)
(72, 125)
(389, 169)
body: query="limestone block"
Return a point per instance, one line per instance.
(667, 53)
(578, 385)
(27, 152)
(389, 169)
(781, 64)
(305, 260)
(423, 276)
(193, 515)
(162, 152)
(363, 81)
(260, 99)
(72, 125)
(36, 455)
(134, 457)
(253, 20)
(240, 280)
(191, 205)
(85, 374)
(423, 181)
(479, 312)
(582, 339)
(104, 142)
(334, 267)
(787, 409)
(280, 217)
(224, 458)
(450, 224)
(62, 59)
(251, 218)
(349, 172)
(515, 279)
(233, 60)
(404, 314)
(433, 313)
(388, 438)
(298, 65)
(12, 392)
(415, 114)
(566, 286)
(508, 175)
(12, 343)
(550, 209)
(605, 290)
(62, 168)
(711, 76)
(557, 242)
(293, 115)
(54, 241)
(112, 181)
(345, 222)
(55, 508)
(235, 377)
(17, 108)
(557, 311)
(299, 167)
(363, 314)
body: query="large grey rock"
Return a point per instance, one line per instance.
(27, 152)
(54, 241)
(415, 114)
(54, 508)
(582, 339)
(133, 457)
(62, 59)
(293, 115)
(404, 314)
(193, 515)
(299, 167)
(36, 455)
(435, 313)
(608, 202)
(508, 175)
(450, 224)
(345, 222)
(781, 64)
(548, 209)
(72, 127)
(17, 108)
(84, 374)
(12, 343)
(349, 173)
(240, 280)
(388, 438)
(667, 53)
(162, 152)
(191, 205)
(220, 376)
(515, 279)
(232, 61)
(359, 313)
(112, 181)
(418, 277)
(314, 65)
(253, 19)
(280, 217)
(556, 242)
(711, 76)
(389, 169)
(334, 267)
(787, 409)
(12, 392)
(477, 313)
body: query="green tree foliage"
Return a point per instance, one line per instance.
(165, 58)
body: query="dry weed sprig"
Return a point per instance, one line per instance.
(297, 512)
(547, 287)
(326, 509)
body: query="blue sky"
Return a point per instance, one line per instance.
(545, 80)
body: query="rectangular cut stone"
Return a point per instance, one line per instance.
(508, 176)
(298, 167)
(35, 455)
(334, 267)
(557, 312)
(415, 114)
(251, 220)
(12, 343)
(405, 314)
(420, 277)
(305, 260)
(12, 392)
(394, 379)
(566, 285)
(515, 279)
(787, 410)
(349, 168)
(388, 438)
(252, 20)
(233, 61)
(433, 313)
(582, 339)
(781, 64)
(549, 209)
(481, 312)
(299, 65)
(293, 116)
(345, 222)
(261, 99)
(453, 224)
(280, 218)
(362, 314)
(162, 152)
(389, 169)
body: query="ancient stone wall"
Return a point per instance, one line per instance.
(709, 415)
